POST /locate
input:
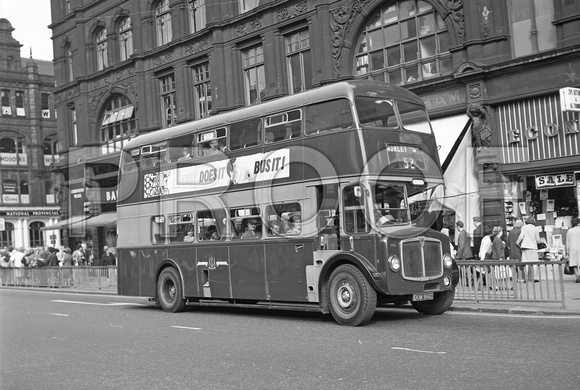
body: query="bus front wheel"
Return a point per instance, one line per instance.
(351, 298)
(441, 302)
(169, 290)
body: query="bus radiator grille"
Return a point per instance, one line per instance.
(421, 258)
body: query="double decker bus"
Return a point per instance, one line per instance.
(323, 200)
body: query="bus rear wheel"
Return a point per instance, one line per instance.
(169, 290)
(351, 298)
(441, 302)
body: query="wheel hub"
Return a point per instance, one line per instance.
(344, 295)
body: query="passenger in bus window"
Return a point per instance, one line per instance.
(213, 234)
(214, 148)
(190, 236)
(275, 228)
(296, 227)
(252, 230)
(186, 153)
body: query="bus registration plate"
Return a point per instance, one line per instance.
(423, 297)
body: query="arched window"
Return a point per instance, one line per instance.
(69, 65)
(102, 58)
(7, 145)
(403, 43)
(13, 151)
(118, 124)
(163, 23)
(125, 38)
(36, 238)
(7, 236)
(50, 151)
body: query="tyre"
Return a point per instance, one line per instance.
(351, 298)
(169, 291)
(441, 302)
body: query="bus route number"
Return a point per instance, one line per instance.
(405, 157)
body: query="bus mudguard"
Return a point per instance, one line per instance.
(374, 277)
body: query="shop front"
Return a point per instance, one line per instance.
(540, 162)
(24, 226)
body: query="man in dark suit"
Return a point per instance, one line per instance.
(477, 235)
(463, 243)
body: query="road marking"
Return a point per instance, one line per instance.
(99, 304)
(417, 350)
(59, 314)
(185, 327)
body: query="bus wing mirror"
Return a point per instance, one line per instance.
(357, 191)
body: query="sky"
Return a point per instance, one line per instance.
(30, 20)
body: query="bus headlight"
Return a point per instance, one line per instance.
(447, 281)
(447, 261)
(394, 263)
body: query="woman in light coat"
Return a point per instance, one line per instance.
(528, 241)
(573, 246)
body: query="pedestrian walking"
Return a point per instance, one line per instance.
(573, 247)
(477, 235)
(528, 242)
(514, 250)
(463, 243)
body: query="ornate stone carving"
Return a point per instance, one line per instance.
(67, 94)
(163, 59)
(249, 27)
(340, 21)
(112, 78)
(292, 10)
(197, 46)
(475, 91)
(479, 128)
(455, 9)
(127, 88)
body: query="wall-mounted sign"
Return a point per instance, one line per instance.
(570, 99)
(551, 181)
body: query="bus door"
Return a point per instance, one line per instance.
(356, 229)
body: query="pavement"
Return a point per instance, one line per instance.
(571, 295)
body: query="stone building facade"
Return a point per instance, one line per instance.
(129, 67)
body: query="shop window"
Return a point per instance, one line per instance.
(402, 43)
(7, 235)
(13, 151)
(36, 236)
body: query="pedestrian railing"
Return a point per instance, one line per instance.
(492, 281)
(100, 278)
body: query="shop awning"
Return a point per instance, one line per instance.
(105, 219)
(65, 223)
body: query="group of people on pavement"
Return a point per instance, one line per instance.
(52, 257)
(521, 244)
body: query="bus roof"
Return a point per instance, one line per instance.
(331, 91)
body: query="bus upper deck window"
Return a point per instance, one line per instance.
(328, 116)
(376, 112)
(414, 117)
